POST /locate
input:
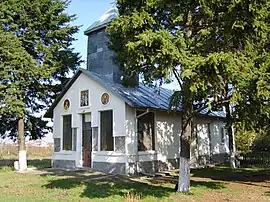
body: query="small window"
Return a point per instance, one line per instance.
(84, 98)
(106, 131)
(146, 133)
(67, 133)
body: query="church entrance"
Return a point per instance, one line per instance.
(86, 140)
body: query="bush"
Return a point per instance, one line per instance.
(262, 142)
(251, 140)
(244, 140)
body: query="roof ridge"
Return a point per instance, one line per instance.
(103, 20)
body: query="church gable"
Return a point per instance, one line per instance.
(85, 94)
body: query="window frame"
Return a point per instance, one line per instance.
(100, 132)
(80, 93)
(71, 141)
(154, 144)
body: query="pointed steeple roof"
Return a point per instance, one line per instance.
(103, 21)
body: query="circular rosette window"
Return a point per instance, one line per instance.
(66, 104)
(105, 98)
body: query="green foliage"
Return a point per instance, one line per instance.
(35, 59)
(16, 71)
(244, 139)
(252, 138)
(262, 140)
(218, 49)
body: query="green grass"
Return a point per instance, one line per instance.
(229, 174)
(93, 186)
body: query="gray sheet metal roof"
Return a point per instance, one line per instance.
(143, 96)
(140, 97)
(103, 21)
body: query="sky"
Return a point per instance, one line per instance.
(87, 11)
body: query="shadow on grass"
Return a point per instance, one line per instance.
(84, 175)
(38, 163)
(193, 183)
(97, 187)
(245, 176)
(100, 185)
(208, 185)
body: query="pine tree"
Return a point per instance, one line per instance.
(35, 58)
(211, 48)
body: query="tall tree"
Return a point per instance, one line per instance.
(35, 59)
(206, 45)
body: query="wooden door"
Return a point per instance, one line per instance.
(86, 141)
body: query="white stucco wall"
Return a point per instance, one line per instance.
(209, 139)
(95, 106)
(216, 140)
(168, 131)
(130, 128)
(167, 137)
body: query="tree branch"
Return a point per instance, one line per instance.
(177, 78)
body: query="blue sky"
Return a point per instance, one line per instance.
(87, 11)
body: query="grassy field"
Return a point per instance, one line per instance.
(39, 157)
(210, 184)
(8, 151)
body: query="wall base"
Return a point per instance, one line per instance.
(144, 166)
(220, 158)
(171, 164)
(115, 168)
(153, 166)
(68, 164)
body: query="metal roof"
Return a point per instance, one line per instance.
(140, 97)
(144, 96)
(103, 21)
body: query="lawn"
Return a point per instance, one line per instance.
(209, 184)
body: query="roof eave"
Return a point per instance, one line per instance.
(94, 29)
(49, 112)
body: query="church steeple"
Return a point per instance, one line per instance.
(99, 56)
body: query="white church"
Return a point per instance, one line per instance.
(101, 124)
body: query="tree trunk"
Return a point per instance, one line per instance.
(22, 148)
(231, 135)
(233, 156)
(184, 167)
